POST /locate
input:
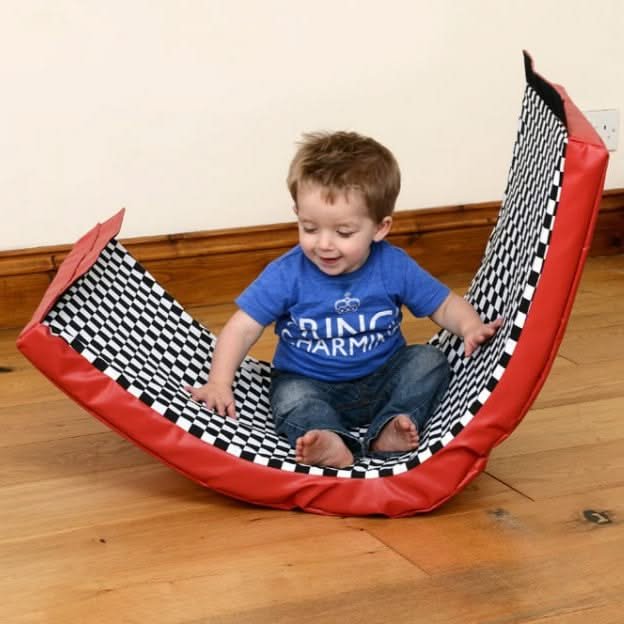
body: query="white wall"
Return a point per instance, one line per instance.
(187, 112)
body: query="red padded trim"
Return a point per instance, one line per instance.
(80, 259)
(416, 490)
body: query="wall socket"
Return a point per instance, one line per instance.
(607, 124)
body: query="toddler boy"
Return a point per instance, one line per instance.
(342, 362)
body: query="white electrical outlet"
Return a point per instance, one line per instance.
(607, 124)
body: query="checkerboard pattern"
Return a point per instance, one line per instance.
(510, 270)
(121, 320)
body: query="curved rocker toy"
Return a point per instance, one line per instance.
(109, 336)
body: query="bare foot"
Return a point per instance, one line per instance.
(323, 448)
(400, 434)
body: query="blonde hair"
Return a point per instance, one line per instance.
(344, 161)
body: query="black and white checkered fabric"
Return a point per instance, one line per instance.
(510, 270)
(123, 322)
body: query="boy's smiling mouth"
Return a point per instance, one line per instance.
(329, 261)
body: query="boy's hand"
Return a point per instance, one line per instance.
(216, 397)
(235, 340)
(479, 334)
(458, 316)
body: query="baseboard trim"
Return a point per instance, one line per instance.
(212, 267)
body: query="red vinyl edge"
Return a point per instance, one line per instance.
(79, 260)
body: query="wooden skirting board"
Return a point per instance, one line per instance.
(212, 267)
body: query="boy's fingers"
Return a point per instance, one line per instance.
(223, 407)
(194, 393)
(468, 348)
(231, 410)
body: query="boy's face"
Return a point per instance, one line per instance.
(337, 236)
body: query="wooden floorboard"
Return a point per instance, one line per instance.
(92, 529)
(496, 535)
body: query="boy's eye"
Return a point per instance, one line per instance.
(309, 230)
(345, 234)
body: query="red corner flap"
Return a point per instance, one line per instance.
(80, 259)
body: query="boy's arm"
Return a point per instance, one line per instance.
(459, 317)
(238, 335)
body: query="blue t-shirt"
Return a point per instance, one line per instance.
(339, 328)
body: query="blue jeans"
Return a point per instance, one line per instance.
(412, 382)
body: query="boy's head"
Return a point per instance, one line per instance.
(341, 162)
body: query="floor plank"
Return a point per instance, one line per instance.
(53, 506)
(96, 452)
(587, 383)
(549, 589)
(601, 344)
(565, 426)
(50, 420)
(176, 557)
(517, 530)
(21, 387)
(562, 471)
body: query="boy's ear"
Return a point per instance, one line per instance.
(383, 228)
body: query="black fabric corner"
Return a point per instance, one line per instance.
(545, 90)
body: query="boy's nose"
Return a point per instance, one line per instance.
(325, 241)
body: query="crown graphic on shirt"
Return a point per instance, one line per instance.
(348, 304)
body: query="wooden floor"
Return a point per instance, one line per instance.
(94, 530)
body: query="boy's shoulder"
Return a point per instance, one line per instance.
(387, 252)
(294, 254)
(285, 267)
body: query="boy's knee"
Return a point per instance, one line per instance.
(426, 358)
(292, 392)
(440, 360)
(295, 401)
